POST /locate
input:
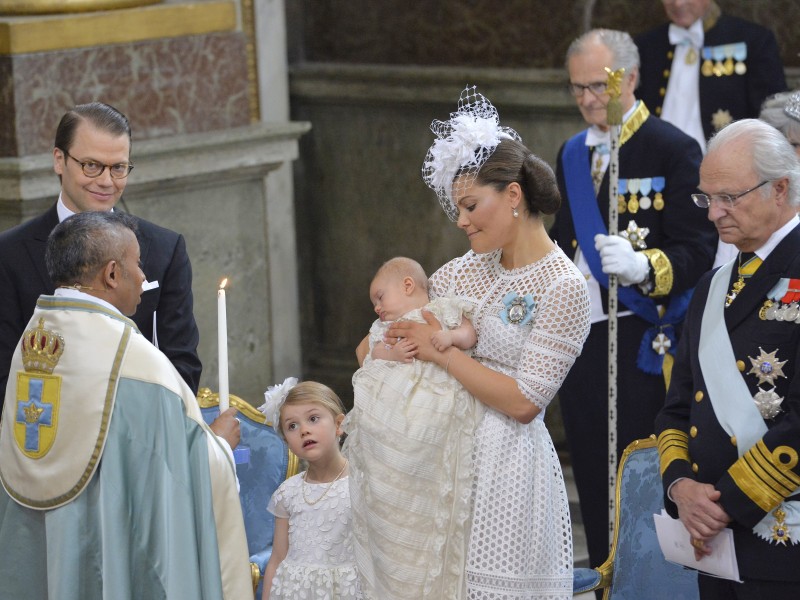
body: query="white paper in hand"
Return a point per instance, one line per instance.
(675, 543)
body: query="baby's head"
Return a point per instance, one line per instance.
(399, 286)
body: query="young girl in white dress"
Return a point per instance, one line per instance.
(410, 438)
(312, 551)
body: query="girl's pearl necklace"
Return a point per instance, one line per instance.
(327, 489)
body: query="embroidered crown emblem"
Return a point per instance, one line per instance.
(41, 349)
(32, 413)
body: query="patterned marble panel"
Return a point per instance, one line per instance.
(171, 86)
(510, 33)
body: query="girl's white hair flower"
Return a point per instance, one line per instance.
(274, 398)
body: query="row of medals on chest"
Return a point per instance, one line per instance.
(628, 200)
(719, 61)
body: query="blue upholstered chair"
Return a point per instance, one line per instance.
(263, 462)
(636, 568)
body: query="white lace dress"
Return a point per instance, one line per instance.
(410, 442)
(520, 544)
(320, 564)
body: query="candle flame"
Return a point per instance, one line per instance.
(223, 283)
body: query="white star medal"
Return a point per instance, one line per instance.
(768, 403)
(766, 367)
(661, 344)
(635, 235)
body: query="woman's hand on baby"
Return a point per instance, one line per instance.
(419, 334)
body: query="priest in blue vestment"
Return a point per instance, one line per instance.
(113, 486)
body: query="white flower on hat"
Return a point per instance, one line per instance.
(463, 144)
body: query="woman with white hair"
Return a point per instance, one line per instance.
(782, 111)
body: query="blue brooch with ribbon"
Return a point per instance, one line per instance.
(518, 310)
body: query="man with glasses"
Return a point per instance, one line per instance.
(92, 160)
(664, 249)
(729, 433)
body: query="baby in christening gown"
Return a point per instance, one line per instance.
(410, 441)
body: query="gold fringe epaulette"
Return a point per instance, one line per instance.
(765, 476)
(673, 444)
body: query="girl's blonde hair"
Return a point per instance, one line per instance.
(309, 392)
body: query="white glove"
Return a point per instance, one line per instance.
(618, 258)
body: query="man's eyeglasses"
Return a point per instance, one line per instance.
(598, 88)
(93, 168)
(726, 200)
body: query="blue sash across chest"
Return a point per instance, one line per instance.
(588, 221)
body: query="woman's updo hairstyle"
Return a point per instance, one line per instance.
(512, 162)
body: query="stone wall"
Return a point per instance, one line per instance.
(488, 33)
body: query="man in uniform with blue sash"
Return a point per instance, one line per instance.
(664, 247)
(113, 486)
(729, 433)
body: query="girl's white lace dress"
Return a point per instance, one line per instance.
(531, 324)
(320, 564)
(410, 442)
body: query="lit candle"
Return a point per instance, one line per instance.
(222, 342)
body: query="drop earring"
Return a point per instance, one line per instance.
(515, 213)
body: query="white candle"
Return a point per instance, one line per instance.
(222, 342)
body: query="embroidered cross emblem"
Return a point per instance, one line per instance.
(34, 413)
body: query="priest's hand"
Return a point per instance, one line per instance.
(226, 426)
(619, 258)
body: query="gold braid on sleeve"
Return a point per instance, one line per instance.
(766, 476)
(662, 269)
(673, 444)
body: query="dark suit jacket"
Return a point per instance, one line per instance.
(711, 449)
(741, 95)
(681, 230)
(23, 278)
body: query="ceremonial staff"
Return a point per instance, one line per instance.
(614, 120)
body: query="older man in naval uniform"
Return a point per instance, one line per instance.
(729, 433)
